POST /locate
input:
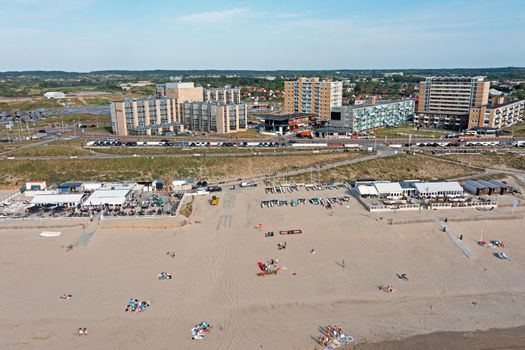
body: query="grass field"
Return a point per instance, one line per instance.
(25, 105)
(249, 134)
(518, 130)
(87, 119)
(16, 172)
(59, 148)
(404, 130)
(205, 150)
(399, 167)
(491, 160)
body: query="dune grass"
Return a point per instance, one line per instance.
(398, 167)
(16, 172)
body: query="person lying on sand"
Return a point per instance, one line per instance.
(387, 289)
(402, 276)
(66, 296)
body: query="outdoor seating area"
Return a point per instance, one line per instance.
(125, 199)
(328, 202)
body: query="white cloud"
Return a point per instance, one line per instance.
(290, 15)
(215, 16)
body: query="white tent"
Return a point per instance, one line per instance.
(110, 197)
(389, 189)
(443, 188)
(67, 199)
(367, 190)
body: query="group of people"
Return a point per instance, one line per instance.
(171, 254)
(164, 276)
(82, 331)
(270, 265)
(135, 306)
(387, 289)
(333, 335)
(281, 245)
(66, 296)
(200, 330)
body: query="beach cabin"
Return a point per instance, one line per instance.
(35, 185)
(503, 187)
(475, 188)
(70, 187)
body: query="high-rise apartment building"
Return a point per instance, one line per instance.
(225, 94)
(311, 95)
(445, 102)
(160, 116)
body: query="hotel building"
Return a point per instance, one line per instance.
(160, 116)
(445, 102)
(311, 95)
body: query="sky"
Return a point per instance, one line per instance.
(87, 35)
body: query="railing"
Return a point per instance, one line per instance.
(394, 207)
(449, 205)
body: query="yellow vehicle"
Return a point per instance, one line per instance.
(214, 200)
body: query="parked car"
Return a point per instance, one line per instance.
(214, 188)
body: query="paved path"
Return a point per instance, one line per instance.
(312, 169)
(89, 231)
(454, 237)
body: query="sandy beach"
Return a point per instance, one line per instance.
(214, 278)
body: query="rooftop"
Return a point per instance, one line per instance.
(378, 104)
(282, 117)
(388, 187)
(70, 184)
(111, 197)
(506, 103)
(441, 186)
(57, 198)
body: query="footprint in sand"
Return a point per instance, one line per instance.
(41, 335)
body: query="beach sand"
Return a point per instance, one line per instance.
(214, 278)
